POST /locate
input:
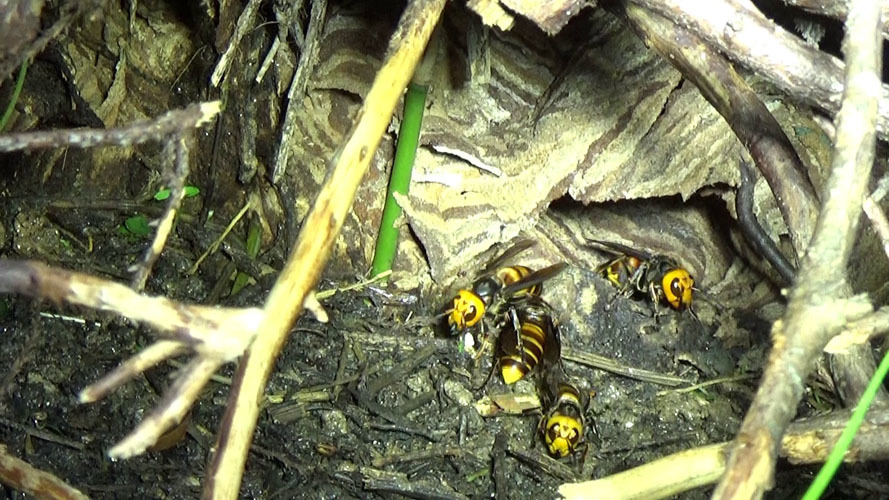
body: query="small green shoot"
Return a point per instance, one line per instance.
(405, 153)
(400, 178)
(190, 192)
(16, 92)
(829, 469)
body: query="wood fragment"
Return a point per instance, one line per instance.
(545, 463)
(398, 484)
(739, 30)
(742, 109)
(313, 246)
(807, 441)
(402, 370)
(22, 476)
(501, 468)
(245, 23)
(818, 308)
(140, 132)
(299, 84)
(836, 10)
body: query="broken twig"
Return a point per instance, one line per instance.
(312, 249)
(170, 123)
(748, 117)
(818, 308)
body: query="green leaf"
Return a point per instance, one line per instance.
(138, 225)
(190, 192)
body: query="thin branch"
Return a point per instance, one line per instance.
(312, 249)
(69, 12)
(807, 441)
(26, 478)
(860, 331)
(176, 185)
(298, 86)
(245, 23)
(171, 123)
(745, 35)
(748, 117)
(214, 331)
(217, 335)
(817, 309)
(170, 411)
(834, 9)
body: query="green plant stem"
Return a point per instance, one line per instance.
(405, 152)
(819, 484)
(16, 92)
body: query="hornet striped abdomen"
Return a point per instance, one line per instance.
(529, 337)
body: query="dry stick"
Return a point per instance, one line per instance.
(298, 86)
(860, 331)
(878, 220)
(70, 11)
(176, 185)
(314, 244)
(216, 334)
(171, 410)
(215, 331)
(748, 117)
(245, 23)
(172, 122)
(544, 462)
(603, 363)
(44, 435)
(774, 155)
(807, 441)
(24, 477)
(817, 309)
(146, 358)
(834, 9)
(745, 35)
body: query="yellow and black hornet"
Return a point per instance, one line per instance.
(563, 424)
(659, 276)
(496, 285)
(529, 337)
